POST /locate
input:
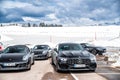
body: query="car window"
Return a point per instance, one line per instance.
(64, 47)
(15, 50)
(41, 47)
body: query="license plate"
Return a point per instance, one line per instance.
(79, 65)
(9, 64)
(36, 55)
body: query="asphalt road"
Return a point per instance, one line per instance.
(43, 70)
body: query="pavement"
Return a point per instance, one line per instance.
(43, 70)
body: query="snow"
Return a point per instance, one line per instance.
(97, 35)
(117, 63)
(4, 38)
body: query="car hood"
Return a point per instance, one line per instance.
(11, 57)
(74, 54)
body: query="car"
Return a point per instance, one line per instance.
(94, 49)
(42, 51)
(16, 57)
(72, 57)
(1, 46)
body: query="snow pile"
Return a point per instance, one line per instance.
(117, 63)
(112, 43)
(4, 38)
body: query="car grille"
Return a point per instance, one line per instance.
(11, 60)
(38, 52)
(78, 61)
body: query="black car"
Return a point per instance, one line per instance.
(42, 51)
(17, 57)
(72, 57)
(94, 49)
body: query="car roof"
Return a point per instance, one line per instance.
(68, 43)
(18, 46)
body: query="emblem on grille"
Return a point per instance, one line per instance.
(79, 61)
(10, 59)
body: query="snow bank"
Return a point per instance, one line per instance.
(117, 63)
(4, 38)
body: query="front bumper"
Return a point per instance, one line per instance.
(64, 67)
(41, 56)
(16, 66)
(76, 64)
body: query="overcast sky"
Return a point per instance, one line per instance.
(71, 12)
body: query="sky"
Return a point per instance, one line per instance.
(69, 12)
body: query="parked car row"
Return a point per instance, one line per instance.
(64, 57)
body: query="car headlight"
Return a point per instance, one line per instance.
(63, 59)
(25, 58)
(44, 52)
(93, 59)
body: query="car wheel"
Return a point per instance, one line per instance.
(100, 53)
(94, 52)
(56, 68)
(33, 61)
(92, 70)
(47, 56)
(52, 61)
(29, 65)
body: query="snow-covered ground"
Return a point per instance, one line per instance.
(108, 36)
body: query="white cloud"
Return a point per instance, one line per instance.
(14, 4)
(52, 16)
(30, 19)
(78, 12)
(86, 21)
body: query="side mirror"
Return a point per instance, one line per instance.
(87, 49)
(49, 48)
(55, 49)
(31, 50)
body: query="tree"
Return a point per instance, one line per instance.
(1, 25)
(29, 25)
(42, 24)
(35, 25)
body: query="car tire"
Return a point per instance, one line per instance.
(33, 62)
(52, 61)
(92, 70)
(29, 65)
(94, 52)
(47, 57)
(56, 68)
(100, 54)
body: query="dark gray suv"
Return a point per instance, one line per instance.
(72, 57)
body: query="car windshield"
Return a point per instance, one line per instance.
(15, 50)
(65, 47)
(45, 47)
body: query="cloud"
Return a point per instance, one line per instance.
(75, 12)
